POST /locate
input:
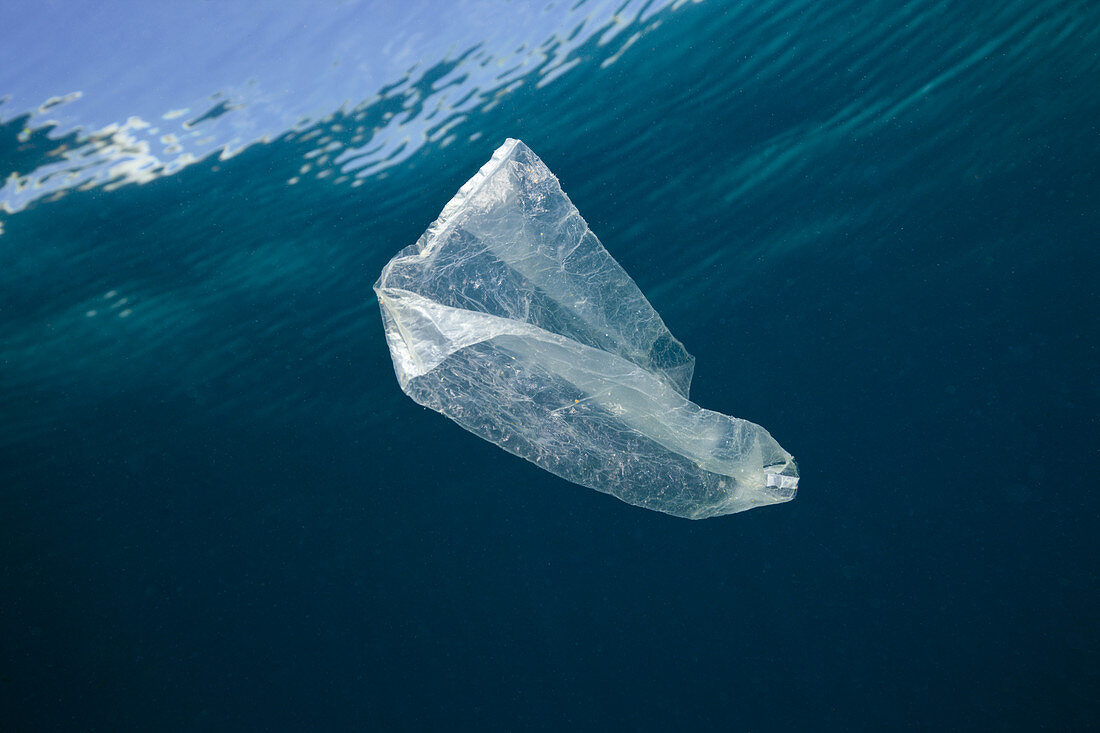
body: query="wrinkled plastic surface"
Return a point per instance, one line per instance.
(509, 317)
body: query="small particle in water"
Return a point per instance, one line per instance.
(110, 294)
(124, 313)
(91, 313)
(292, 181)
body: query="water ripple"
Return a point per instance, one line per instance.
(48, 151)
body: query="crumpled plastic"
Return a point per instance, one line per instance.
(509, 317)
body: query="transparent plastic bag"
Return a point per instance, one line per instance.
(509, 317)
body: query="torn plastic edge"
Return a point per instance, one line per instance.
(781, 481)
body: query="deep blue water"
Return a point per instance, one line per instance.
(874, 225)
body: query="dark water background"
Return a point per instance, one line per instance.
(875, 226)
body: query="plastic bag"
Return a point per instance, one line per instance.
(509, 317)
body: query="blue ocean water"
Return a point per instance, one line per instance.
(874, 225)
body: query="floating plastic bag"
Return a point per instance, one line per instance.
(509, 317)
